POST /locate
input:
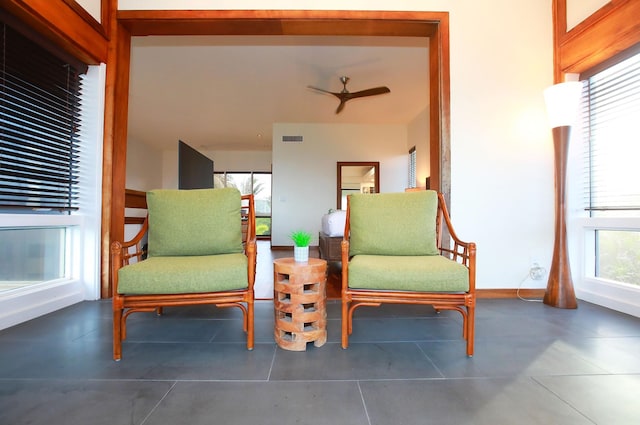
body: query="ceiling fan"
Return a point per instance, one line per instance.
(345, 95)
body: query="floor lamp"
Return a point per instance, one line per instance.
(562, 101)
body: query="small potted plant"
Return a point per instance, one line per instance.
(301, 241)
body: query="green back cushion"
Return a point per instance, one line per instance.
(393, 223)
(194, 222)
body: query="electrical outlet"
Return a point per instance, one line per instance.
(537, 272)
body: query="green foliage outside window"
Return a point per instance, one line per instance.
(263, 226)
(248, 182)
(619, 256)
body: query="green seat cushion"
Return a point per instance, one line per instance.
(430, 273)
(393, 223)
(194, 222)
(187, 274)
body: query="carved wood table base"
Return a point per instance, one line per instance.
(299, 301)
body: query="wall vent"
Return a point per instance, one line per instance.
(292, 139)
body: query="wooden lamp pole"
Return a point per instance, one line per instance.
(562, 103)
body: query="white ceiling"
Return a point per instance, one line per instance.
(225, 92)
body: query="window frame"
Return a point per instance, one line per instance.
(619, 296)
(258, 215)
(83, 243)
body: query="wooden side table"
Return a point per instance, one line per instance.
(299, 301)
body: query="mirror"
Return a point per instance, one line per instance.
(356, 177)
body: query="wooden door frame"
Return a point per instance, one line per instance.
(128, 23)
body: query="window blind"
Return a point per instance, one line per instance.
(39, 126)
(412, 167)
(611, 125)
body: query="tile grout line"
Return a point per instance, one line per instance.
(571, 406)
(273, 361)
(430, 361)
(158, 403)
(364, 404)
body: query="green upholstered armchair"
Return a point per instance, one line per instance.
(392, 252)
(201, 250)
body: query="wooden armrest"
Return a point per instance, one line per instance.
(344, 251)
(121, 252)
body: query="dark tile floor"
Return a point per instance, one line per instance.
(405, 365)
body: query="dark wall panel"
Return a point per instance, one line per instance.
(195, 171)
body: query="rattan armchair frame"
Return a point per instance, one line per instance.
(124, 305)
(464, 302)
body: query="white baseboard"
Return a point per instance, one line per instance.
(616, 297)
(18, 306)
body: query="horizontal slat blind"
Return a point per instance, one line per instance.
(39, 124)
(412, 167)
(611, 102)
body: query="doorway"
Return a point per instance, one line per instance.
(433, 25)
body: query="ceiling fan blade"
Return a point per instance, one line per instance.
(345, 95)
(324, 91)
(369, 92)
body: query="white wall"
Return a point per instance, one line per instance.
(418, 136)
(144, 173)
(222, 161)
(302, 190)
(579, 10)
(501, 147)
(239, 160)
(144, 166)
(91, 6)
(305, 174)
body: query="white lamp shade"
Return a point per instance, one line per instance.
(562, 102)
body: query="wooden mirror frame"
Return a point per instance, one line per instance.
(376, 181)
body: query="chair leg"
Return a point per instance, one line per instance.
(470, 330)
(250, 329)
(117, 334)
(465, 325)
(346, 324)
